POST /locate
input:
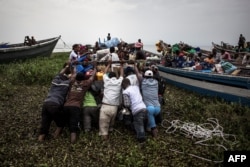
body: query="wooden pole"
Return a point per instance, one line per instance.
(112, 62)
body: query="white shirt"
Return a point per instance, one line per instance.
(113, 57)
(112, 90)
(135, 97)
(133, 79)
(73, 56)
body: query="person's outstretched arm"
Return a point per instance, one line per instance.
(139, 76)
(121, 69)
(94, 72)
(107, 67)
(66, 66)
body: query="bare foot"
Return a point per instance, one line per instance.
(41, 137)
(73, 137)
(105, 137)
(57, 132)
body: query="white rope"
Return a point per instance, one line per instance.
(204, 132)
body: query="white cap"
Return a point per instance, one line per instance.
(148, 73)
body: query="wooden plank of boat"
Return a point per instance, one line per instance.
(228, 93)
(14, 52)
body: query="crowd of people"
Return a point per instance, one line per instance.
(83, 96)
(184, 56)
(80, 101)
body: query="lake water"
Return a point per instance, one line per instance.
(67, 48)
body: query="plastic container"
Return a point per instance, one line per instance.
(99, 76)
(79, 68)
(228, 67)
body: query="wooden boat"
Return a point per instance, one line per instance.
(240, 59)
(127, 48)
(20, 51)
(230, 48)
(228, 87)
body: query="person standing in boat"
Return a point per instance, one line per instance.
(96, 47)
(138, 49)
(241, 42)
(108, 37)
(139, 45)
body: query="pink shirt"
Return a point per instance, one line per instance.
(226, 56)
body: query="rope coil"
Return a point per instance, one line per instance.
(204, 132)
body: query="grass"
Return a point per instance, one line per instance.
(24, 85)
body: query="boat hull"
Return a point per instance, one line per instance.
(206, 86)
(236, 81)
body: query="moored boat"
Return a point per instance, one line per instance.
(21, 51)
(228, 87)
(233, 86)
(231, 49)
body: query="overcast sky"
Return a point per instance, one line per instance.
(196, 22)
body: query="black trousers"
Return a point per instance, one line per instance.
(52, 112)
(74, 116)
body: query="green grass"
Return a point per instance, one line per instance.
(33, 71)
(24, 86)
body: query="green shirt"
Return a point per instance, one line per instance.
(89, 100)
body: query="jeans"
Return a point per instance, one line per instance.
(139, 121)
(90, 117)
(152, 112)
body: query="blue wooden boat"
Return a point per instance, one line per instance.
(228, 87)
(21, 51)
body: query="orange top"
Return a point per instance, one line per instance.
(209, 60)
